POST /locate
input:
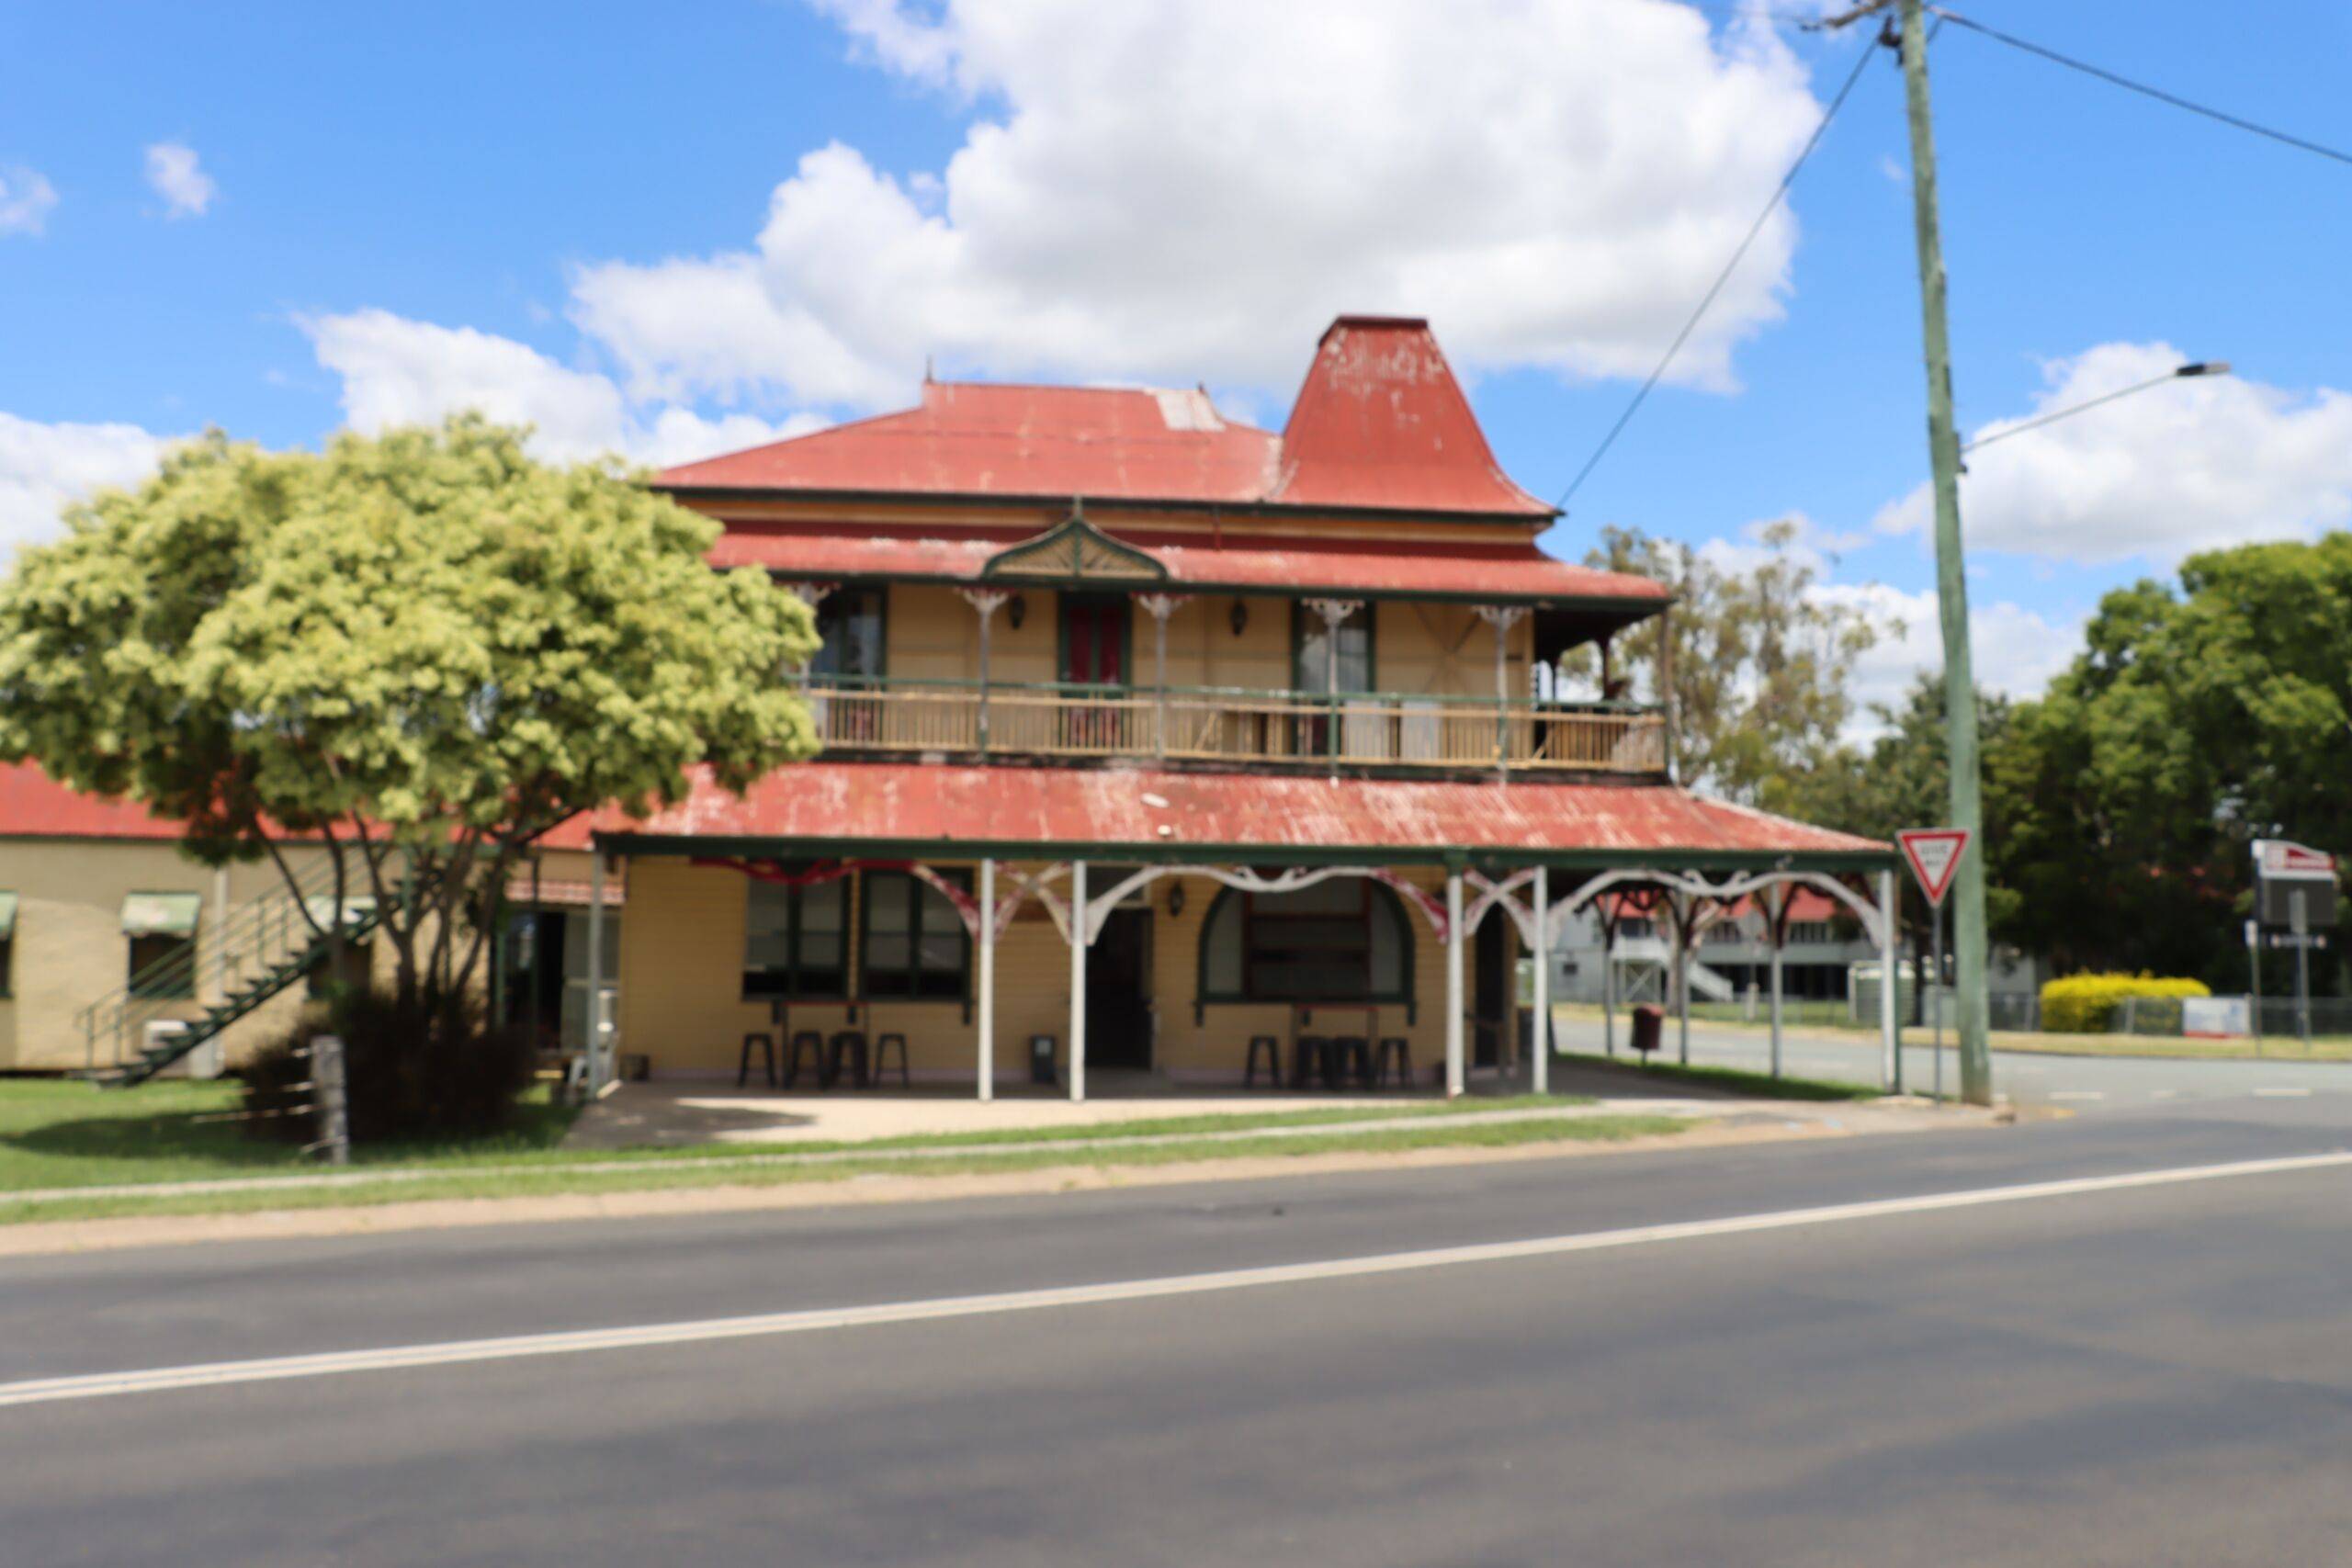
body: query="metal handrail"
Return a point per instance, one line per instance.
(175, 977)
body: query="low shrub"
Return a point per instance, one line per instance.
(408, 1074)
(2086, 1004)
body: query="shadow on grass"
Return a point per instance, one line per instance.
(70, 1134)
(1728, 1082)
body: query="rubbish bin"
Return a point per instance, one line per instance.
(1649, 1028)
(1041, 1060)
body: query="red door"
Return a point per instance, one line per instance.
(1094, 653)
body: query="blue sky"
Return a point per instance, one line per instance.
(574, 213)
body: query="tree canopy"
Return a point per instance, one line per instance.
(1762, 664)
(422, 646)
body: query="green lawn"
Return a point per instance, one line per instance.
(1763, 1085)
(62, 1134)
(555, 1179)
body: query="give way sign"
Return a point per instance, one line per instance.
(1934, 854)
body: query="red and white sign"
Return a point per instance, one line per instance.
(2278, 857)
(1934, 854)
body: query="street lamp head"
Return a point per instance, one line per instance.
(2205, 367)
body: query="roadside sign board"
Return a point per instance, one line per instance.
(2293, 886)
(1934, 854)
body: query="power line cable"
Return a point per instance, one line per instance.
(1779, 193)
(2175, 99)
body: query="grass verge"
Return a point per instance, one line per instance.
(2272, 1048)
(55, 1134)
(552, 1179)
(1761, 1085)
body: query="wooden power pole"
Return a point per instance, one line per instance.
(1951, 578)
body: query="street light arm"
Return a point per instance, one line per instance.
(2201, 367)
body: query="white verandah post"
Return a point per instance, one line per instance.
(1890, 1069)
(1684, 909)
(595, 1011)
(1077, 979)
(1775, 912)
(1541, 1081)
(988, 980)
(1453, 1070)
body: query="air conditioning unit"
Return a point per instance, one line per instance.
(207, 1061)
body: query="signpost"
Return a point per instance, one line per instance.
(1934, 855)
(2294, 886)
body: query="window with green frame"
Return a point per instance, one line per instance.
(1314, 645)
(1344, 939)
(177, 982)
(850, 623)
(796, 939)
(912, 942)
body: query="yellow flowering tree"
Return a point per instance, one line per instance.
(422, 649)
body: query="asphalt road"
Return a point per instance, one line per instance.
(2031, 1078)
(2143, 1375)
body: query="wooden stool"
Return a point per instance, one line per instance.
(1273, 1053)
(766, 1042)
(847, 1049)
(882, 1046)
(1397, 1052)
(1350, 1061)
(813, 1042)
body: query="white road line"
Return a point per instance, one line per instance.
(2078, 1094)
(2277, 1093)
(100, 1385)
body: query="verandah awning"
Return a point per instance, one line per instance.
(161, 914)
(1163, 816)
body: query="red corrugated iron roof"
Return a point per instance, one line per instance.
(34, 806)
(976, 438)
(1505, 571)
(1380, 422)
(844, 803)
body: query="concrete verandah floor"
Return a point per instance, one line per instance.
(676, 1112)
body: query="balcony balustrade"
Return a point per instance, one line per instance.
(1237, 727)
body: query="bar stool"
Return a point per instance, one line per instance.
(813, 1042)
(1350, 1061)
(1394, 1051)
(1272, 1049)
(882, 1047)
(1306, 1062)
(847, 1049)
(766, 1042)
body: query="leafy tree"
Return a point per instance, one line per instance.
(2196, 720)
(422, 649)
(1763, 665)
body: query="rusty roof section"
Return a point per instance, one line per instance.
(831, 808)
(1380, 424)
(1490, 573)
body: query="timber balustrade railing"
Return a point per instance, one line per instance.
(1208, 724)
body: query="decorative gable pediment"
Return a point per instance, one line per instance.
(1074, 550)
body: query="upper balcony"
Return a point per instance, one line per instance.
(1354, 732)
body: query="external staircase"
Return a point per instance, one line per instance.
(260, 949)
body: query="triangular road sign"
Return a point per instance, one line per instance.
(1934, 854)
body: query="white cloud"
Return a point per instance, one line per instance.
(2014, 650)
(26, 200)
(43, 467)
(399, 371)
(1553, 182)
(2188, 466)
(173, 174)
